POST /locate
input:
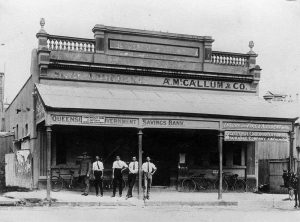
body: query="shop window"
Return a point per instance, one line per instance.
(214, 159)
(61, 153)
(237, 156)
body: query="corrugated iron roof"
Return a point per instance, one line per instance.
(157, 100)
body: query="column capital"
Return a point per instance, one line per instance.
(49, 128)
(140, 131)
(292, 134)
(221, 133)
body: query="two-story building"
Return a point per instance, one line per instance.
(134, 92)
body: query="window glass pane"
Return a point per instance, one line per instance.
(237, 156)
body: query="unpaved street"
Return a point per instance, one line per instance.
(145, 214)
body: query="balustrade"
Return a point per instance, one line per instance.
(62, 43)
(231, 59)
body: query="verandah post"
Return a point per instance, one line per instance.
(220, 148)
(140, 147)
(291, 156)
(49, 134)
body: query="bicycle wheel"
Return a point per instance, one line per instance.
(56, 183)
(224, 185)
(188, 185)
(251, 188)
(202, 184)
(240, 186)
(210, 185)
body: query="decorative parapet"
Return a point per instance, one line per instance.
(229, 58)
(64, 43)
(123, 46)
(235, 59)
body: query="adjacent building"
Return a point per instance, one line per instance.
(288, 102)
(1, 101)
(144, 93)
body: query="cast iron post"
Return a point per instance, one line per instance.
(291, 158)
(220, 147)
(140, 145)
(49, 132)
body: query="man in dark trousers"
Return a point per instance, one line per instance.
(148, 170)
(84, 172)
(133, 170)
(98, 174)
(118, 167)
(295, 182)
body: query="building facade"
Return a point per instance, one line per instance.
(288, 102)
(1, 101)
(134, 92)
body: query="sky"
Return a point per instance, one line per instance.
(273, 25)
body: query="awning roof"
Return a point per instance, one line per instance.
(159, 100)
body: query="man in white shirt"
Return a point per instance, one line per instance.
(118, 167)
(148, 170)
(98, 174)
(133, 170)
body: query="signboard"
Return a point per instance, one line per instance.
(106, 120)
(40, 110)
(177, 82)
(23, 163)
(156, 48)
(256, 126)
(178, 123)
(255, 136)
(92, 120)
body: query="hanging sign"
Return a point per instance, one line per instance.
(40, 110)
(93, 120)
(255, 136)
(256, 126)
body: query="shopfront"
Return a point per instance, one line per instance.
(172, 138)
(134, 92)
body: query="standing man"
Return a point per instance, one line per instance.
(148, 170)
(118, 167)
(98, 174)
(84, 172)
(295, 182)
(133, 170)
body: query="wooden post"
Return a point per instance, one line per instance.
(49, 132)
(140, 147)
(291, 157)
(220, 147)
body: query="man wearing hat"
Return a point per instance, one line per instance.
(85, 171)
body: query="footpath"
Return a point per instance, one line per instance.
(158, 198)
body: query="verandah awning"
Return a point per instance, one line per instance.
(160, 100)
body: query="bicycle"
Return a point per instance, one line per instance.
(231, 181)
(58, 182)
(224, 183)
(196, 182)
(235, 183)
